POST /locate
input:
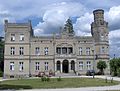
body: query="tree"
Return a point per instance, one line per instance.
(115, 66)
(101, 65)
(1, 55)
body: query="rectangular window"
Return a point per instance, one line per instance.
(21, 51)
(37, 65)
(46, 66)
(81, 65)
(20, 66)
(87, 51)
(58, 50)
(11, 66)
(70, 50)
(12, 37)
(46, 50)
(37, 51)
(88, 65)
(80, 50)
(12, 52)
(21, 37)
(64, 50)
(103, 50)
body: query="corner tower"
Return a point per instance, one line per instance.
(99, 28)
(99, 31)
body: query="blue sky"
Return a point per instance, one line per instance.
(48, 16)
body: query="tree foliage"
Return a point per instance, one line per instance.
(1, 55)
(101, 65)
(115, 66)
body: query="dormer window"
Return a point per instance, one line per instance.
(21, 37)
(12, 37)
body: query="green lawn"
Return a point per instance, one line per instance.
(53, 83)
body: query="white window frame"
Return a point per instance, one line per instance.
(21, 51)
(46, 50)
(12, 37)
(80, 50)
(12, 66)
(87, 50)
(46, 66)
(37, 65)
(12, 51)
(21, 37)
(37, 51)
(21, 68)
(88, 65)
(81, 65)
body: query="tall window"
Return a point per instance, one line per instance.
(87, 51)
(12, 37)
(81, 65)
(64, 50)
(103, 50)
(37, 65)
(88, 65)
(46, 50)
(80, 50)
(58, 50)
(12, 52)
(37, 51)
(70, 50)
(21, 37)
(21, 51)
(46, 66)
(11, 66)
(20, 66)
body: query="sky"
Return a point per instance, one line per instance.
(48, 16)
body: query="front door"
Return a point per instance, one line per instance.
(65, 66)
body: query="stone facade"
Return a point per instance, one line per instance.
(26, 54)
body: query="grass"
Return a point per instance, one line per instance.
(53, 83)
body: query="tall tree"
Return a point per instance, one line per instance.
(1, 55)
(101, 65)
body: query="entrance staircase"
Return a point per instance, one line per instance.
(65, 74)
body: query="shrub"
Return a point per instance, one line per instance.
(43, 78)
(59, 79)
(1, 73)
(47, 79)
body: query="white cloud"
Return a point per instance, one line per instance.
(82, 25)
(56, 15)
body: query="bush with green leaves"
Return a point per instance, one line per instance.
(101, 65)
(45, 79)
(59, 78)
(1, 73)
(115, 67)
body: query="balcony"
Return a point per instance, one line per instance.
(65, 56)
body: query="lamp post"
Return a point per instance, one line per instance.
(93, 62)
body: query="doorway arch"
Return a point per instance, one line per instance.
(65, 66)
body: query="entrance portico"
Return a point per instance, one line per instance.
(65, 66)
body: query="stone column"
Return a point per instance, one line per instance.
(76, 70)
(69, 67)
(55, 67)
(61, 67)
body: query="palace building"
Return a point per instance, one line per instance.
(27, 55)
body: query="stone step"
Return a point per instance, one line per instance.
(65, 74)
